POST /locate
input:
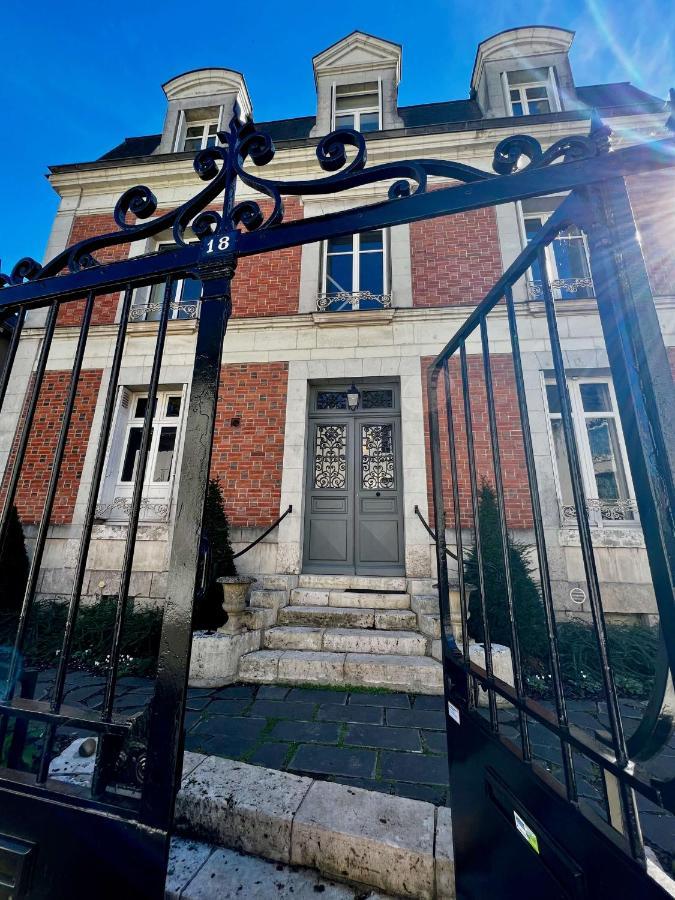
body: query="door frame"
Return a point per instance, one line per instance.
(356, 417)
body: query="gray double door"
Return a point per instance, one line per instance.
(354, 489)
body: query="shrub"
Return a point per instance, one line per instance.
(528, 607)
(13, 565)
(208, 613)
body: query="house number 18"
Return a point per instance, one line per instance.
(223, 244)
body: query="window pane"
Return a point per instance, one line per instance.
(536, 93)
(371, 276)
(377, 399)
(595, 396)
(609, 475)
(538, 107)
(344, 244)
(163, 463)
(211, 140)
(213, 128)
(532, 226)
(330, 457)
(370, 121)
(331, 400)
(173, 406)
(562, 462)
(131, 454)
(371, 240)
(194, 131)
(553, 398)
(344, 121)
(191, 290)
(339, 274)
(377, 458)
(360, 88)
(571, 262)
(358, 101)
(141, 406)
(517, 109)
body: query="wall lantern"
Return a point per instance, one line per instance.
(353, 397)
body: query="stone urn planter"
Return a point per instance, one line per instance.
(236, 589)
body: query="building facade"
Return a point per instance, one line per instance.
(367, 312)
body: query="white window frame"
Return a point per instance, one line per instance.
(357, 113)
(549, 251)
(146, 295)
(356, 268)
(579, 418)
(549, 84)
(205, 121)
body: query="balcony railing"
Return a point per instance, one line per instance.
(150, 312)
(602, 510)
(351, 300)
(581, 287)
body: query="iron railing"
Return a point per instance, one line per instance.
(340, 301)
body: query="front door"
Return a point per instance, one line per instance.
(354, 498)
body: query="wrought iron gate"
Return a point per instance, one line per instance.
(57, 837)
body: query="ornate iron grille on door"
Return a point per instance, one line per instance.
(120, 822)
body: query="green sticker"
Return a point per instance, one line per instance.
(526, 832)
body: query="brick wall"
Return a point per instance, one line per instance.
(269, 284)
(248, 458)
(105, 306)
(455, 259)
(37, 464)
(653, 200)
(514, 472)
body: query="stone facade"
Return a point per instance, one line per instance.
(279, 344)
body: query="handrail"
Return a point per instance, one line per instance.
(264, 534)
(430, 532)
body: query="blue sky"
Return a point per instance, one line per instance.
(78, 77)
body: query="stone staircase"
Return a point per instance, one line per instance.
(349, 630)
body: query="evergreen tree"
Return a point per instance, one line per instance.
(529, 613)
(209, 614)
(13, 565)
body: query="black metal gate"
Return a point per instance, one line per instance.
(58, 839)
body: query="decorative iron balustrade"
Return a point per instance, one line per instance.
(336, 302)
(178, 310)
(607, 510)
(150, 511)
(582, 286)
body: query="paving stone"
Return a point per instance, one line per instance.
(272, 692)
(416, 718)
(333, 761)
(383, 736)
(384, 698)
(331, 712)
(383, 841)
(366, 784)
(413, 767)
(196, 743)
(198, 702)
(228, 707)
(435, 741)
(312, 695)
(227, 873)
(235, 691)
(241, 806)
(185, 859)
(248, 728)
(307, 732)
(231, 746)
(429, 793)
(283, 709)
(426, 701)
(191, 718)
(271, 755)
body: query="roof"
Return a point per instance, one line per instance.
(617, 96)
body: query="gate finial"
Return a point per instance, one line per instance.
(600, 133)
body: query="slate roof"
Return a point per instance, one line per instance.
(616, 96)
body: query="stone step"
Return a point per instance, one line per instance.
(357, 582)
(272, 598)
(425, 604)
(348, 617)
(394, 672)
(355, 599)
(430, 625)
(392, 844)
(346, 640)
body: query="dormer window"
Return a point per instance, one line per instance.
(197, 129)
(201, 135)
(357, 106)
(531, 92)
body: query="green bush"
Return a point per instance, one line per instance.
(13, 565)
(208, 613)
(529, 612)
(91, 641)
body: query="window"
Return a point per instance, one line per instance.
(567, 265)
(529, 91)
(354, 273)
(604, 467)
(185, 295)
(357, 106)
(200, 135)
(125, 454)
